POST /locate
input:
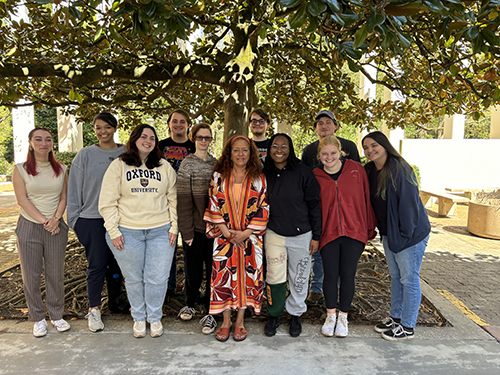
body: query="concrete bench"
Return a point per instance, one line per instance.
(447, 202)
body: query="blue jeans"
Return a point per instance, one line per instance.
(404, 268)
(145, 263)
(317, 273)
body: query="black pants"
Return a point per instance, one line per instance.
(195, 256)
(340, 259)
(101, 262)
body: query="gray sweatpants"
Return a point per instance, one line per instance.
(37, 247)
(289, 254)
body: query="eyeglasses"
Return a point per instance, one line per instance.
(275, 147)
(255, 122)
(199, 138)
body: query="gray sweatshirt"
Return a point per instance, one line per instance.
(85, 178)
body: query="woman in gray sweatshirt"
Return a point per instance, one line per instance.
(85, 178)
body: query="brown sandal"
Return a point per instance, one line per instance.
(222, 334)
(240, 334)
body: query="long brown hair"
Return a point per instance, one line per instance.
(386, 173)
(131, 156)
(30, 163)
(224, 165)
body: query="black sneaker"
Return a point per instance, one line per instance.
(295, 326)
(399, 333)
(271, 325)
(387, 324)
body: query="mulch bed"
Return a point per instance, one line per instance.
(370, 305)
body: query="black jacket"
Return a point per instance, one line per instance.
(294, 202)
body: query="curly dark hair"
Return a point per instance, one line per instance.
(292, 159)
(131, 156)
(224, 165)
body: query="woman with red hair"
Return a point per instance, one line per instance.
(236, 217)
(40, 185)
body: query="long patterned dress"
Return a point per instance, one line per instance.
(237, 276)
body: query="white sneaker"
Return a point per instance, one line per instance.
(40, 328)
(140, 329)
(187, 313)
(156, 329)
(95, 322)
(61, 325)
(341, 329)
(329, 325)
(208, 323)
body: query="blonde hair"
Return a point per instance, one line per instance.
(330, 140)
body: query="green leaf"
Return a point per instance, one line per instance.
(313, 24)
(98, 34)
(184, 22)
(316, 7)
(148, 11)
(360, 36)
(374, 20)
(181, 33)
(477, 43)
(348, 48)
(178, 3)
(349, 18)
(434, 5)
(379, 18)
(78, 98)
(405, 40)
(490, 37)
(337, 19)
(75, 13)
(263, 32)
(352, 66)
(116, 36)
(472, 33)
(300, 16)
(453, 70)
(71, 95)
(334, 5)
(496, 94)
(290, 3)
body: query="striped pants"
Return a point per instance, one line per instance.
(37, 247)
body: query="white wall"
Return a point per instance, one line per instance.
(454, 163)
(23, 121)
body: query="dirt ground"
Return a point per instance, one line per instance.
(371, 302)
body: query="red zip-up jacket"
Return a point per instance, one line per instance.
(345, 205)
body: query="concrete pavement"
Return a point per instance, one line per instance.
(462, 348)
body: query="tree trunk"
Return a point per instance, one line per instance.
(237, 107)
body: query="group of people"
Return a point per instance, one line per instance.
(253, 220)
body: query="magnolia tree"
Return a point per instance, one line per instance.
(219, 59)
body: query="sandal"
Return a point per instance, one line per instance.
(240, 334)
(222, 334)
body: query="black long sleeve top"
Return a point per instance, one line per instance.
(294, 202)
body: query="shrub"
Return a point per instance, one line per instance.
(65, 157)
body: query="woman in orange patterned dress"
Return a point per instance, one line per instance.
(236, 217)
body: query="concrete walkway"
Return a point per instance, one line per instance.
(184, 350)
(462, 348)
